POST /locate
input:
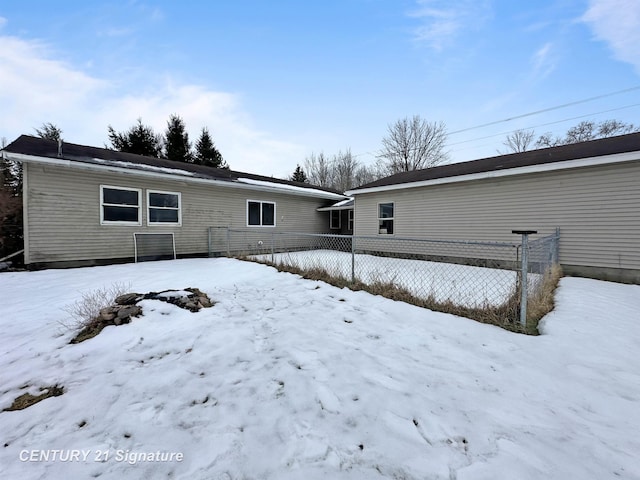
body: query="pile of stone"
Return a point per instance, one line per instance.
(126, 307)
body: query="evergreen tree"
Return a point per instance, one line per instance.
(299, 175)
(11, 229)
(206, 152)
(177, 146)
(49, 131)
(139, 139)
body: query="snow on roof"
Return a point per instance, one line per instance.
(142, 166)
(283, 186)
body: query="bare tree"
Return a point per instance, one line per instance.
(344, 170)
(518, 141)
(585, 131)
(610, 128)
(319, 170)
(413, 144)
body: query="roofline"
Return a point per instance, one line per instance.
(61, 162)
(539, 168)
(328, 209)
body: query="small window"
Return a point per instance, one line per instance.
(261, 214)
(163, 208)
(119, 205)
(385, 218)
(334, 219)
(350, 220)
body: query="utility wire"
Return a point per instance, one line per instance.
(557, 107)
(545, 124)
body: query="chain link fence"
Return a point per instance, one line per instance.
(462, 277)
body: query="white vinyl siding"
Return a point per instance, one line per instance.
(62, 214)
(120, 205)
(164, 208)
(597, 209)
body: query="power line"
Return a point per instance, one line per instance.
(546, 124)
(557, 107)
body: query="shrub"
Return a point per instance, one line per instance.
(85, 312)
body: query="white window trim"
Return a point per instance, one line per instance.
(393, 219)
(331, 226)
(164, 224)
(102, 205)
(350, 220)
(275, 216)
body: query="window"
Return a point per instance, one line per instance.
(385, 218)
(163, 208)
(334, 219)
(350, 220)
(261, 214)
(120, 206)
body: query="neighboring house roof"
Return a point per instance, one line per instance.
(341, 205)
(595, 152)
(33, 149)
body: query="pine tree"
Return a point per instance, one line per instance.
(11, 236)
(206, 152)
(49, 131)
(299, 175)
(177, 146)
(139, 139)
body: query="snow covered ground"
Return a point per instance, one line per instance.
(287, 378)
(461, 284)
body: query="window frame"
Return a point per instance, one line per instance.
(386, 219)
(350, 218)
(331, 226)
(261, 202)
(164, 224)
(122, 205)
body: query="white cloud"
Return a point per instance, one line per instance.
(444, 20)
(36, 88)
(617, 22)
(543, 60)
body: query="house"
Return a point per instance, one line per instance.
(340, 217)
(590, 190)
(88, 206)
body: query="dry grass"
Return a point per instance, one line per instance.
(543, 301)
(26, 400)
(506, 315)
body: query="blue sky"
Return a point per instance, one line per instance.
(275, 81)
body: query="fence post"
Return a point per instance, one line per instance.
(209, 241)
(228, 242)
(523, 272)
(273, 239)
(353, 259)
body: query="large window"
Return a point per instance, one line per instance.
(119, 205)
(385, 218)
(163, 208)
(261, 214)
(334, 221)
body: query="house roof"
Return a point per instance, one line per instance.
(554, 158)
(28, 148)
(346, 204)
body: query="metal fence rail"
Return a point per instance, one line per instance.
(469, 274)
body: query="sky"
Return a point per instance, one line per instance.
(277, 81)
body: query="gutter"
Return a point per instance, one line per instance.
(545, 167)
(61, 162)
